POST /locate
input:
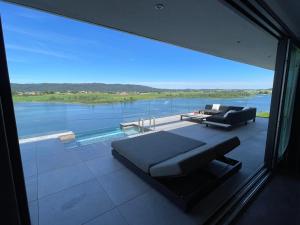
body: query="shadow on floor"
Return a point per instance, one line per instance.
(277, 204)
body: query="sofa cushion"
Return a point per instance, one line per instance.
(236, 108)
(228, 112)
(147, 150)
(217, 118)
(194, 159)
(245, 108)
(211, 112)
(224, 108)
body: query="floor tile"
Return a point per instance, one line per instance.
(29, 168)
(54, 161)
(34, 213)
(49, 147)
(28, 152)
(61, 179)
(92, 151)
(104, 165)
(27, 146)
(112, 217)
(31, 188)
(75, 205)
(104, 146)
(153, 209)
(122, 185)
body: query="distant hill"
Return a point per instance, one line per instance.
(72, 87)
(101, 87)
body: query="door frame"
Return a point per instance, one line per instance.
(10, 151)
(13, 157)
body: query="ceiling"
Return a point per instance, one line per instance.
(206, 26)
(289, 13)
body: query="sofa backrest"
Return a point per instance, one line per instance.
(241, 116)
(225, 108)
(192, 160)
(208, 106)
(236, 108)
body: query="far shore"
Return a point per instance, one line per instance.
(103, 97)
(95, 98)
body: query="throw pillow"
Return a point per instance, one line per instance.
(216, 106)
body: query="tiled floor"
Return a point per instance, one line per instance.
(86, 185)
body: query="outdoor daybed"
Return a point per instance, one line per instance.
(183, 169)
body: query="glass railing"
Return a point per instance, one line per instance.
(35, 119)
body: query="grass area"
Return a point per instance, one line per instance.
(263, 114)
(100, 97)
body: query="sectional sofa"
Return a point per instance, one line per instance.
(228, 116)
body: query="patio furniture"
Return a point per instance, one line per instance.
(183, 169)
(199, 117)
(232, 118)
(213, 110)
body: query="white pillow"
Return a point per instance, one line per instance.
(229, 111)
(245, 108)
(216, 106)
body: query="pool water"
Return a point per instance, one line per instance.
(101, 135)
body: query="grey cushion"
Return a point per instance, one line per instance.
(217, 118)
(211, 112)
(246, 108)
(147, 150)
(228, 112)
(194, 159)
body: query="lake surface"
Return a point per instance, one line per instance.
(43, 118)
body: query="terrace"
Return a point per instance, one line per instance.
(86, 185)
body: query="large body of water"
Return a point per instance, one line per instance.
(44, 118)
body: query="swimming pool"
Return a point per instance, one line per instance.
(95, 136)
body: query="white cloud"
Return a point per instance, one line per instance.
(207, 85)
(40, 51)
(50, 36)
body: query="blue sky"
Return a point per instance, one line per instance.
(46, 48)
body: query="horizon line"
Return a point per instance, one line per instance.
(78, 83)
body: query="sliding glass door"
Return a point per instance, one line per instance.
(288, 100)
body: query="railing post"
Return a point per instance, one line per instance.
(139, 124)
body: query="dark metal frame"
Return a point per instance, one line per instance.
(293, 158)
(7, 188)
(243, 9)
(173, 191)
(10, 151)
(276, 104)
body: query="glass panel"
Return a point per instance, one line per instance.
(289, 100)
